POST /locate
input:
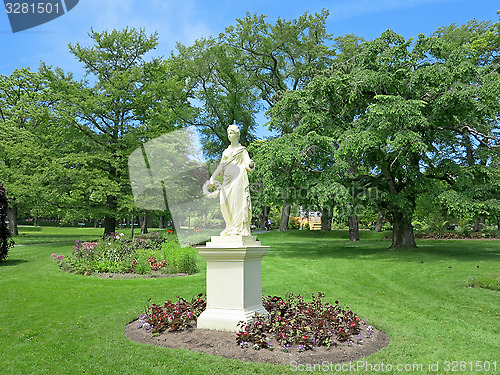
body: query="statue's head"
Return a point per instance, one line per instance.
(233, 129)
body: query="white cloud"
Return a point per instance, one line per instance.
(353, 8)
(174, 21)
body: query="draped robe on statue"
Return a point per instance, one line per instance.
(235, 192)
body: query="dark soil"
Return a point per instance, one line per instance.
(224, 344)
(111, 275)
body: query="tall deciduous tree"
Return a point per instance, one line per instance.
(122, 101)
(280, 177)
(413, 107)
(280, 57)
(223, 91)
(25, 105)
(473, 193)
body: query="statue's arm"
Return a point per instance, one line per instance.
(249, 163)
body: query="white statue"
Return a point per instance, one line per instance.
(235, 192)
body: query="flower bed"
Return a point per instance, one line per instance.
(292, 322)
(172, 316)
(452, 235)
(456, 235)
(140, 255)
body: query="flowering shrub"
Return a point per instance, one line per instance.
(119, 254)
(156, 266)
(294, 321)
(172, 316)
(58, 258)
(291, 321)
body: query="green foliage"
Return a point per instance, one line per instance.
(179, 259)
(172, 316)
(114, 113)
(223, 88)
(118, 254)
(282, 56)
(293, 321)
(400, 116)
(293, 223)
(458, 235)
(410, 118)
(32, 149)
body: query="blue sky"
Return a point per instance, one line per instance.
(187, 20)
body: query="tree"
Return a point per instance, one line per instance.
(279, 174)
(473, 192)
(411, 106)
(123, 101)
(25, 105)
(279, 58)
(223, 89)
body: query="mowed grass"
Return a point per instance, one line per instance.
(53, 322)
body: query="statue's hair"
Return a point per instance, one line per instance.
(235, 128)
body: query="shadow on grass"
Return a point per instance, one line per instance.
(12, 262)
(315, 245)
(38, 239)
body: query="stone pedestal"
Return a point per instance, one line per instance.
(234, 281)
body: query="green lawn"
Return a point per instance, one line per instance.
(52, 322)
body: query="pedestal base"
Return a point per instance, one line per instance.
(226, 319)
(234, 281)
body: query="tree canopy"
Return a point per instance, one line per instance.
(401, 111)
(400, 118)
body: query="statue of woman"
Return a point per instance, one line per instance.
(235, 192)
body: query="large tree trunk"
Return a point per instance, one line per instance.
(109, 225)
(479, 224)
(326, 219)
(162, 222)
(353, 228)
(12, 217)
(285, 217)
(110, 221)
(380, 221)
(402, 232)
